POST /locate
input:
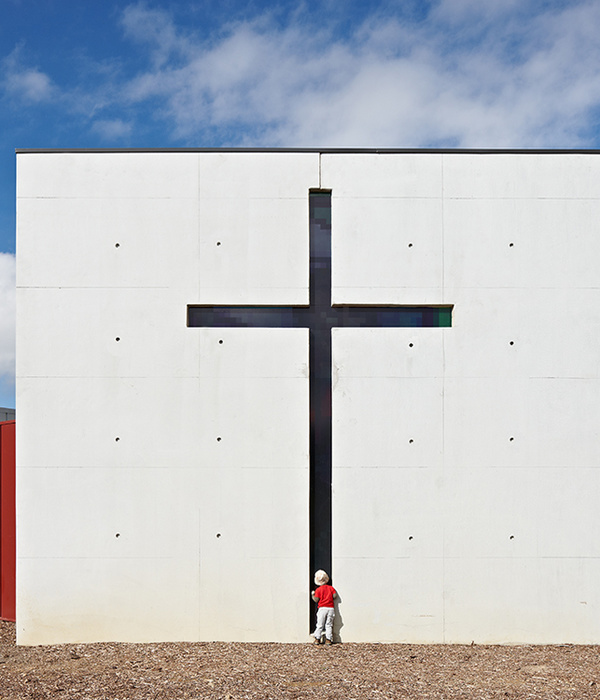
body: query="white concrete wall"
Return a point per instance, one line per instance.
(466, 467)
(485, 527)
(162, 477)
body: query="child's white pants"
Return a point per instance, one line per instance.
(324, 621)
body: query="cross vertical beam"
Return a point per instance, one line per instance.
(321, 443)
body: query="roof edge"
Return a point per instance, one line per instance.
(489, 151)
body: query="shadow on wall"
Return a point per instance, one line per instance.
(338, 620)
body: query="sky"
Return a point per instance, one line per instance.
(319, 73)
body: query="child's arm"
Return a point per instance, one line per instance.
(314, 597)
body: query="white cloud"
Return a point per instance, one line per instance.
(155, 28)
(112, 129)
(25, 83)
(7, 318)
(466, 73)
(494, 74)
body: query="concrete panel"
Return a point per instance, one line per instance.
(521, 176)
(248, 421)
(521, 601)
(408, 175)
(151, 422)
(563, 416)
(394, 521)
(254, 251)
(391, 600)
(253, 218)
(388, 422)
(255, 516)
(386, 250)
(508, 530)
(130, 243)
(388, 352)
(253, 352)
(255, 513)
(484, 423)
(277, 619)
(520, 513)
(242, 176)
(520, 243)
(253, 423)
(387, 397)
(253, 546)
(230, 528)
(527, 333)
(162, 524)
(108, 176)
(90, 600)
(386, 228)
(165, 523)
(104, 332)
(521, 423)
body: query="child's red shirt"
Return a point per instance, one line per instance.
(325, 595)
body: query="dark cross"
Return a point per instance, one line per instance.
(319, 317)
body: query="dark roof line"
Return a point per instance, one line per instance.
(491, 151)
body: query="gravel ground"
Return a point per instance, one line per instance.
(232, 671)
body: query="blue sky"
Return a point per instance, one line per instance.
(394, 73)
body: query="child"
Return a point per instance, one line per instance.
(324, 595)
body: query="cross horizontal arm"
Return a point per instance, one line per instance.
(345, 316)
(248, 316)
(332, 317)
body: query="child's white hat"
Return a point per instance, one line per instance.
(321, 577)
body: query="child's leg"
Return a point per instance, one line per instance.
(321, 621)
(329, 623)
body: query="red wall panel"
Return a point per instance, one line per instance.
(8, 543)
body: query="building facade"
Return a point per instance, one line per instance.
(171, 484)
